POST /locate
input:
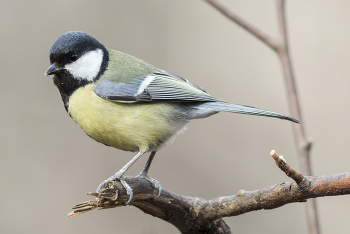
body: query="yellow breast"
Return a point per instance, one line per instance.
(130, 127)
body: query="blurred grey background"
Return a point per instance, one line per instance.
(48, 163)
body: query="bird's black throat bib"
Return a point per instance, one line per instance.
(66, 85)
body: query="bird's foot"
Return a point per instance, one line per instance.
(117, 176)
(154, 182)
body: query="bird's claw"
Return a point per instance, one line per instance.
(127, 187)
(154, 182)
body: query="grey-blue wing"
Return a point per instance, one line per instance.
(121, 92)
(155, 87)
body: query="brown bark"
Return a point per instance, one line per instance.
(197, 215)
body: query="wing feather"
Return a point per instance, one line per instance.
(155, 87)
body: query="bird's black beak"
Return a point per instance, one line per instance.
(52, 70)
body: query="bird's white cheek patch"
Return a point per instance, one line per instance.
(87, 66)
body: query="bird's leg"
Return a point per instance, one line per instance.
(144, 172)
(119, 176)
(148, 163)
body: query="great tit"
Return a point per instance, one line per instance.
(126, 103)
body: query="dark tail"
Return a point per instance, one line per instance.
(228, 107)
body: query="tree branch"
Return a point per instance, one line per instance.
(197, 215)
(191, 214)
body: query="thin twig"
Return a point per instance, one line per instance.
(302, 144)
(282, 164)
(272, 42)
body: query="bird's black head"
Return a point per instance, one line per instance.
(76, 59)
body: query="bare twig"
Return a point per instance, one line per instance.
(197, 215)
(302, 144)
(290, 172)
(280, 46)
(270, 41)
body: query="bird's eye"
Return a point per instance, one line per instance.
(73, 57)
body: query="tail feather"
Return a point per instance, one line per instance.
(228, 107)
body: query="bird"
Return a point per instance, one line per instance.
(126, 103)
